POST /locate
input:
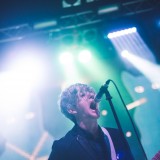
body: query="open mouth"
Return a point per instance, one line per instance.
(93, 106)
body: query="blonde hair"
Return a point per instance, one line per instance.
(69, 98)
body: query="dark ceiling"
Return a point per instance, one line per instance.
(143, 13)
(17, 11)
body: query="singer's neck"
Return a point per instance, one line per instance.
(89, 127)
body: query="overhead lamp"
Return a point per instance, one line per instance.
(122, 32)
(89, 1)
(45, 24)
(70, 3)
(108, 9)
(85, 56)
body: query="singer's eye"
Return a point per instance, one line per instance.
(82, 94)
(91, 97)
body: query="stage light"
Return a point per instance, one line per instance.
(147, 68)
(128, 134)
(84, 56)
(29, 115)
(11, 120)
(108, 9)
(125, 54)
(136, 103)
(29, 68)
(155, 85)
(70, 3)
(66, 58)
(104, 112)
(15, 96)
(25, 72)
(46, 24)
(131, 47)
(122, 32)
(69, 68)
(89, 1)
(139, 89)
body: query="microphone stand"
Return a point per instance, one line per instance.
(109, 97)
(104, 90)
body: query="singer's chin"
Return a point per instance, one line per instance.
(96, 113)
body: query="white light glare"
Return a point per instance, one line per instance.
(25, 73)
(14, 92)
(84, 56)
(125, 54)
(139, 89)
(136, 103)
(107, 9)
(155, 86)
(104, 112)
(66, 58)
(29, 115)
(128, 134)
(122, 32)
(46, 24)
(11, 120)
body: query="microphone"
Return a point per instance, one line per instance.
(102, 90)
(99, 95)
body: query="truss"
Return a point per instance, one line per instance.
(139, 6)
(14, 33)
(83, 18)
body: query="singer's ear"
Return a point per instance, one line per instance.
(71, 109)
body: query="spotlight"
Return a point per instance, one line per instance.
(89, 1)
(122, 32)
(70, 3)
(128, 134)
(139, 89)
(85, 56)
(46, 24)
(66, 58)
(125, 54)
(108, 9)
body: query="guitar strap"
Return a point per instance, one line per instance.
(113, 152)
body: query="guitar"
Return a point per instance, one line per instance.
(157, 156)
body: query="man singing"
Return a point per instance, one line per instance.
(86, 140)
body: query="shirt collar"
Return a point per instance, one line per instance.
(86, 134)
